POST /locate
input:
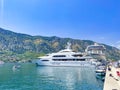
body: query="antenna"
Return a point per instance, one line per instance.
(68, 45)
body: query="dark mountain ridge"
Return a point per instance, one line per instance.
(17, 46)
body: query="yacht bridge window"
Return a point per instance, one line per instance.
(77, 55)
(59, 56)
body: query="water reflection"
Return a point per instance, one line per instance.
(70, 78)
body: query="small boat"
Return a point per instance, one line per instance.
(100, 70)
(1, 62)
(16, 67)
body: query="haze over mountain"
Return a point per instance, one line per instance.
(17, 46)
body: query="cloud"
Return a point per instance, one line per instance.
(102, 38)
(117, 44)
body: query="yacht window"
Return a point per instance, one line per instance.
(59, 56)
(80, 59)
(44, 60)
(79, 55)
(68, 59)
(59, 59)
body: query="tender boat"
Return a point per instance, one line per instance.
(1, 62)
(65, 57)
(100, 70)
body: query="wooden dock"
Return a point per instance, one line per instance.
(112, 80)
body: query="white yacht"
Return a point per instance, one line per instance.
(65, 57)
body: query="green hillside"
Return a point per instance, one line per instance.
(20, 47)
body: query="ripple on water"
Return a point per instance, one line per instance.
(30, 77)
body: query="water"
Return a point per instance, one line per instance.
(30, 77)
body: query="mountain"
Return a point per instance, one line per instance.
(17, 46)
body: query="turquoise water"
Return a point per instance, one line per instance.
(30, 77)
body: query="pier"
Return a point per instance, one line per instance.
(112, 79)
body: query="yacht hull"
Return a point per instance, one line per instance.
(65, 63)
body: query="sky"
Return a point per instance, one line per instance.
(97, 20)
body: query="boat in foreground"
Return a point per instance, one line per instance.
(100, 70)
(65, 57)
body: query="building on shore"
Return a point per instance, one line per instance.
(97, 51)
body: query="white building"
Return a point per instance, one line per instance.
(95, 49)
